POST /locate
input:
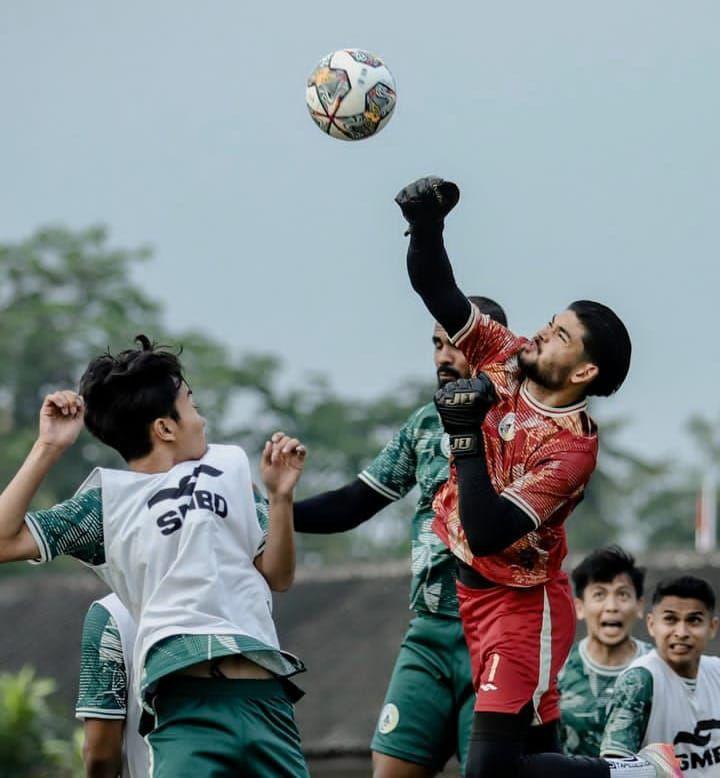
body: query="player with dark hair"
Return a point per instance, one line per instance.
(608, 598)
(178, 539)
(428, 708)
(523, 448)
(673, 693)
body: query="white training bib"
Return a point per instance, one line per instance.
(136, 760)
(180, 549)
(690, 720)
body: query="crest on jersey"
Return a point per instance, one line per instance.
(445, 445)
(506, 428)
(389, 717)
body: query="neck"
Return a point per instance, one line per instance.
(159, 460)
(610, 656)
(555, 398)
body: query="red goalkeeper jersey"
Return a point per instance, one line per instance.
(540, 458)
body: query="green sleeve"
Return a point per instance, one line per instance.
(392, 472)
(262, 511)
(628, 714)
(73, 527)
(103, 691)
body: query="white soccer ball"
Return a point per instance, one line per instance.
(351, 94)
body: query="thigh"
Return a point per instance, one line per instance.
(189, 740)
(417, 721)
(271, 741)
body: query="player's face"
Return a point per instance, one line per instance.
(190, 427)
(555, 357)
(450, 362)
(609, 609)
(681, 628)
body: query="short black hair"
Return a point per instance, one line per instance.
(490, 307)
(603, 565)
(124, 394)
(688, 587)
(607, 344)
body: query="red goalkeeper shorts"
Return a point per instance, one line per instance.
(519, 640)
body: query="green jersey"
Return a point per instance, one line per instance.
(586, 690)
(75, 528)
(629, 713)
(418, 455)
(103, 678)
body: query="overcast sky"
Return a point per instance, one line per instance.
(584, 137)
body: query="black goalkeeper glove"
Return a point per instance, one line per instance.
(427, 201)
(462, 406)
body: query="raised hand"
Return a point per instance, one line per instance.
(61, 419)
(428, 200)
(281, 464)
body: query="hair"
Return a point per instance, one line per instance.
(688, 587)
(491, 308)
(124, 394)
(603, 565)
(607, 344)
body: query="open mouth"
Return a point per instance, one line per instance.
(612, 624)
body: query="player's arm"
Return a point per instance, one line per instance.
(102, 751)
(390, 476)
(629, 713)
(281, 465)
(103, 694)
(424, 204)
(61, 419)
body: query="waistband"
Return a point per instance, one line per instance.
(188, 686)
(469, 576)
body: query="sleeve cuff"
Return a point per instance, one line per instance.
(374, 484)
(525, 507)
(100, 713)
(40, 539)
(469, 324)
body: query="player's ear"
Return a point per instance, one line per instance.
(164, 429)
(579, 608)
(714, 623)
(585, 373)
(650, 623)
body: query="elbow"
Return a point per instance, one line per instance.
(100, 765)
(281, 582)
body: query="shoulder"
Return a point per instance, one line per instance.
(636, 681)
(710, 664)
(573, 665)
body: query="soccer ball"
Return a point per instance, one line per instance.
(351, 94)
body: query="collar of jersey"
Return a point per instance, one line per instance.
(606, 669)
(548, 410)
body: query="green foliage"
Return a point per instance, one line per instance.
(31, 743)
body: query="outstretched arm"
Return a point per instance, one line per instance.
(338, 510)
(425, 203)
(61, 419)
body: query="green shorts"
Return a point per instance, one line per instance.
(212, 728)
(428, 710)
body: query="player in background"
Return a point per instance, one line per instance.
(106, 701)
(673, 693)
(608, 598)
(523, 448)
(177, 538)
(427, 713)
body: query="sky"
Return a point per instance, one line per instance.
(583, 136)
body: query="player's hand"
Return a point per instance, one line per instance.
(462, 406)
(61, 419)
(281, 464)
(428, 200)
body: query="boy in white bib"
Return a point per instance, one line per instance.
(178, 539)
(673, 693)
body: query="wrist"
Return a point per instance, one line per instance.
(280, 497)
(464, 444)
(46, 451)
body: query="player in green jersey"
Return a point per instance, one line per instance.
(427, 714)
(608, 598)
